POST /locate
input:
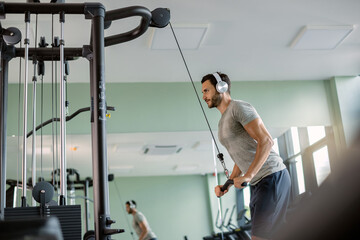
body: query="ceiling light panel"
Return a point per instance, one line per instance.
(321, 37)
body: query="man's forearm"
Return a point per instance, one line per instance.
(143, 234)
(236, 172)
(262, 152)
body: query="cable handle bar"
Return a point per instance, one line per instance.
(230, 181)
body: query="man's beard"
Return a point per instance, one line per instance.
(130, 211)
(215, 100)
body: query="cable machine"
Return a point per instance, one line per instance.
(95, 54)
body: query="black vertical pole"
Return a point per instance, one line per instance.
(98, 126)
(3, 116)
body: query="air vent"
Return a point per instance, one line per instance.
(161, 149)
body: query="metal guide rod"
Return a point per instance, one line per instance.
(24, 168)
(33, 177)
(86, 190)
(16, 189)
(63, 187)
(217, 182)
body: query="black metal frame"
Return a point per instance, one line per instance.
(3, 130)
(95, 54)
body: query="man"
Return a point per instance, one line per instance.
(249, 144)
(140, 223)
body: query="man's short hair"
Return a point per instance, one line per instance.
(131, 203)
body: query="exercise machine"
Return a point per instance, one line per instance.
(95, 54)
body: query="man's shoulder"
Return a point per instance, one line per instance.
(139, 216)
(139, 213)
(240, 105)
(236, 102)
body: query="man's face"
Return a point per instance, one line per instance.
(210, 95)
(128, 209)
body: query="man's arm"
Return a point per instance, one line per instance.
(144, 229)
(257, 130)
(236, 172)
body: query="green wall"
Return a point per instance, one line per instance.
(171, 107)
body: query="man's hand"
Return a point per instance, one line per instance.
(239, 180)
(218, 191)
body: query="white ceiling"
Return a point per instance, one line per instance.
(248, 39)
(252, 37)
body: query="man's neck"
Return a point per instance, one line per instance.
(134, 211)
(225, 101)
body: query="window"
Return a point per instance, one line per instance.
(276, 146)
(246, 192)
(315, 133)
(306, 154)
(295, 140)
(300, 174)
(322, 164)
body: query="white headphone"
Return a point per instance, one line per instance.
(221, 86)
(132, 204)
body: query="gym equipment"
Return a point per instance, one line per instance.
(11, 35)
(68, 118)
(233, 232)
(230, 181)
(43, 192)
(220, 226)
(95, 54)
(62, 114)
(25, 106)
(41, 228)
(34, 79)
(69, 216)
(75, 183)
(160, 17)
(230, 226)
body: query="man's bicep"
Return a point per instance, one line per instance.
(143, 225)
